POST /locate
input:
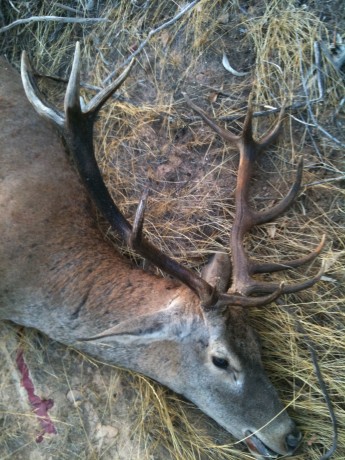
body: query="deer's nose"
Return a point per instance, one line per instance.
(293, 439)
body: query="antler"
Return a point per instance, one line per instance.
(246, 217)
(76, 125)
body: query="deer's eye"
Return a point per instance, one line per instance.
(222, 363)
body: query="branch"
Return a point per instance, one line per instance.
(309, 109)
(51, 19)
(307, 104)
(298, 326)
(152, 32)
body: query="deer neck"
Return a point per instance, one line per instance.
(84, 286)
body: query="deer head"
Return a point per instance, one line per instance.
(195, 337)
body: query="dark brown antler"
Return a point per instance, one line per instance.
(246, 218)
(76, 125)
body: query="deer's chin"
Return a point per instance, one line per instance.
(258, 448)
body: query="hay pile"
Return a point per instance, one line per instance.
(148, 135)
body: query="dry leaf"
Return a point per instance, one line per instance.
(213, 96)
(228, 67)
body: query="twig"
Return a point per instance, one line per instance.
(142, 7)
(152, 32)
(297, 105)
(265, 113)
(68, 8)
(309, 109)
(307, 127)
(320, 79)
(338, 109)
(291, 108)
(322, 384)
(324, 181)
(51, 19)
(260, 113)
(87, 86)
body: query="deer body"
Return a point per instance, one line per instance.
(51, 248)
(59, 275)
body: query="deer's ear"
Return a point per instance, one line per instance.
(217, 272)
(154, 327)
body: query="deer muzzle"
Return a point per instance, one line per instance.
(260, 450)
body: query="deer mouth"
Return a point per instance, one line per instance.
(257, 447)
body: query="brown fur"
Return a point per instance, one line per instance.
(59, 275)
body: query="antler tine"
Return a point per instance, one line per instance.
(275, 267)
(262, 217)
(272, 135)
(245, 301)
(243, 285)
(262, 287)
(35, 96)
(72, 96)
(72, 99)
(227, 135)
(76, 125)
(247, 130)
(101, 98)
(138, 224)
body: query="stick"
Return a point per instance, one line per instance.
(53, 19)
(325, 181)
(68, 8)
(261, 113)
(309, 109)
(152, 32)
(298, 326)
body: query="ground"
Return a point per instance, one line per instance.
(150, 136)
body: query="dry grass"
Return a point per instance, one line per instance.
(149, 135)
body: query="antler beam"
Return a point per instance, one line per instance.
(76, 125)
